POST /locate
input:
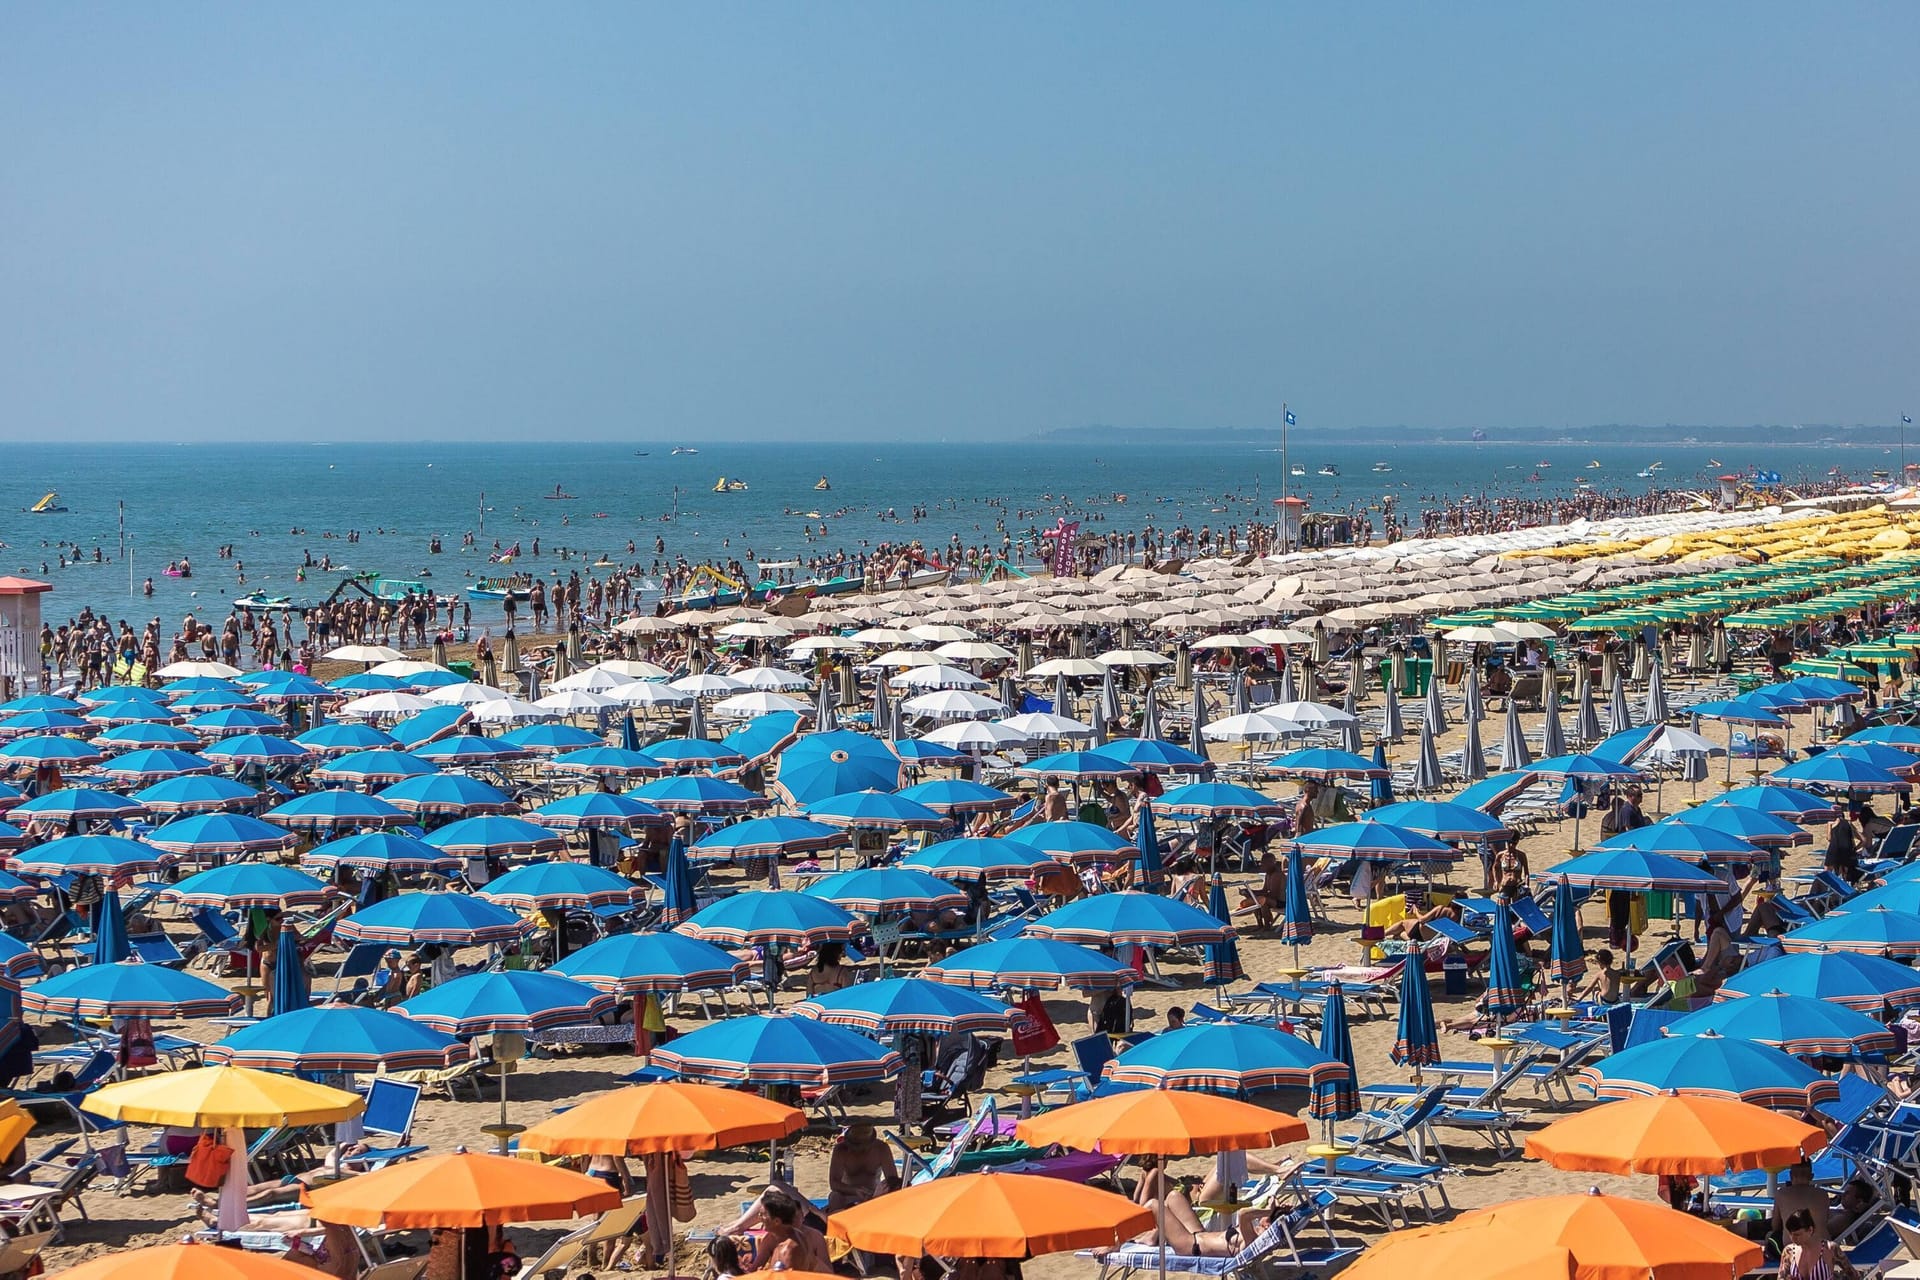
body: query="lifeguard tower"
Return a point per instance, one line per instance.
(20, 635)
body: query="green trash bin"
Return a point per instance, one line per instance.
(462, 668)
(1419, 676)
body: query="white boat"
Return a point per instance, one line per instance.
(1328, 470)
(1381, 467)
(680, 448)
(1296, 470)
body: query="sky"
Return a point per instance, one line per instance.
(963, 221)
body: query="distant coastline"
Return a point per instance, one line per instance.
(1750, 437)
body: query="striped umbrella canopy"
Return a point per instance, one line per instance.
(378, 766)
(1227, 1057)
(1904, 736)
(1222, 963)
(762, 916)
(497, 835)
(126, 990)
(380, 851)
(235, 722)
(1148, 919)
(698, 793)
(1078, 766)
(1325, 763)
(136, 737)
(599, 810)
(875, 811)
(551, 739)
(49, 749)
(651, 963)
(824, 765)
(75, 804)
(776, 1049)
(515, 1000)
(448, 793)
(196, 795)
(1864, 982)
(1797, 1025)
(1892, 759)
(114, 857)
(1755, 826)
(337, 1038)
(334, 810)
(413, 918)
(121, 693)
(1211, 800)
(133, 712)
(768, 837)
(465, 749)
(202, 835)
(247, 884)
(609, 762)
(39, 702)
(962, 795)
(1440, 819)
(1376, 841)
(1781, 802)
(1875, 931)
(1840, 773)
(256, 748)
(1569, 957)
(1031, 964)
(1074, 842)
(196, 704)
(1713, 1065)
(1152, 755)
(894, 1005)
(1677, 838)
(880, 890)
(1339, 1098)
(1504, 993)
(548, 885)
(1635, 869)
(975, 857)
(344, 738)
(154, 764)
(1416, 1039)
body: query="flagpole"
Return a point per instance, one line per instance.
(1286, 476)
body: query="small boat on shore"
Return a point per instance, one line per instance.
(500, 588)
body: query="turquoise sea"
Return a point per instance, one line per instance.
(187, 500)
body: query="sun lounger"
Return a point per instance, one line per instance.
(1276, 1251)
(562, 1255)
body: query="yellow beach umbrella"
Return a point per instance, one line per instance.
(233, 1099)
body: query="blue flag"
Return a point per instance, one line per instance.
(1291, 420)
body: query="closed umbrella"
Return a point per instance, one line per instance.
(1222, 964)
(1513, 742)
(1150, 716)
(1196, 733)
(1350, 728)
(1504, 993)
(1553, 737)
(1569, 957)
(1338, 1098)
(1619, 714)
(1392, 725)
(1586, 720)
(677, 902)
(1656, 698)
(1380, 789)
(1296, 924)
(289, 991)
(1473, 756)
(1416, 1040)
(1436, 711)
(1098, 737)
(1152, 871)
(1473, 709)
(1426, 764)
(110, 930)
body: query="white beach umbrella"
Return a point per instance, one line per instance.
(882, 637)
(1042, 726)
(756, 629)
(590, 679)
(772, 679)
(940, 633)
(1313, 714)
(708, 684)
(649, 693)
(388, 703)
(1077, 668)
(512, 711)
(464, 695)
(1251, 726)
(759, 702)
(975, 735)
(631, 669)
(904, 658)
(188, 670)
(366, 653)
(937, 678)
(401, 668)
(820, 644)
(1280, 636)
(955, 704)
(576, 702)
(972, 651)
(1133, 658)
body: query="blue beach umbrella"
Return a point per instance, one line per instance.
(1148, 919)
(196, 704)
(1325, 763)
(1338, 1098)
(1229, 1058)
(547, 885)
(292, 686)
(764, 916)
(1781, 802)
(893, 1005)
(121, 693)
(1296, 921)
(155, 764)
(378, 766)
(428, 725)
(128, 989)
(1074, 842)
(113, 857)
(235, 722)
(52, 722)
(1755, 826)
(1892, 759)
(196, 795)
(1874, 931)
(1078, 766)
(698, 793)
(652, 963)
(1504, 993)
(497, 836)
(609, 762)
(550, 739)
(1375, 841)
(1569, 957)
(920, 751)
(1904, 736)
(1152, 755)
(466, 749)
(134, 713)
(769, 837)
(39, 702)
(1795, 1025)
(1899, 893)
(1635, 870)
(1711, 1066)
(135, 737)
(289, 991)
(1683, 840)
(337, 1038)
(207, 835)
(1416, 1040)
(877, 811)
(823, 765)
(513, 1000)
(75, 804)
(344, 738)
(882, 890)
(677, 900)
(981, 857)
(110, 930)
(1865, 982)
(455, 794)
(11, 837)
(776, 1049)
(760, 735)
(1153, 868)
(256, 748)
(247, 884)
(961, 795)
(17, 959)
(599, 811)
(1222, 963)
(1840, 773)
(380, 851)
(1441, 820)
(362, 682)
(1212, 800)
(14, 889)
(413, 918)
(693, 753)
(1031, 964)
(1380, 790)
(335, 810)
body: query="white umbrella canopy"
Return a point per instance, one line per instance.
(391, 702)
(940, 633)
(590, 679)
(1071, 667)
(1252, 726)
(1228, 642)
(759, 702)
(883, 637)
(512, 710)
(708, 684)
(629, 669)
(575, 702)
(822, 644)
(188, 670)
(1280, 635)
(954, 704)
(646, 624)
(756, 629)
(937, 678)
(402, 667)
(772, 679)
(1134, 658)
(1041, 725)
(1476, 635)
(972, 651)
(1311, 714)
(648, 693)
(464, 695)
(905, 658)
(366, 653)
(976, 735)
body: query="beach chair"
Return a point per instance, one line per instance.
(390, 1109)
(1277, 1251)
(1574, 1052)
(98, 1066)
(156, 948)
(19, 1253)
(1897, 844)
(65, 1178)
(563, 1254)
(219, 943)
(1410, 1125)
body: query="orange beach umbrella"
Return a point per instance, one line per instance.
(460, 1190)
(188, 1262)
(1675, 1134)
(990, 1215)
(653, 1119)
(1167, 1122)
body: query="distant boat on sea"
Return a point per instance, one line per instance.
(559, 494)
(1297, 470)
(1381, 467)
(47, 506)
(680, 448)
(1328, 470)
